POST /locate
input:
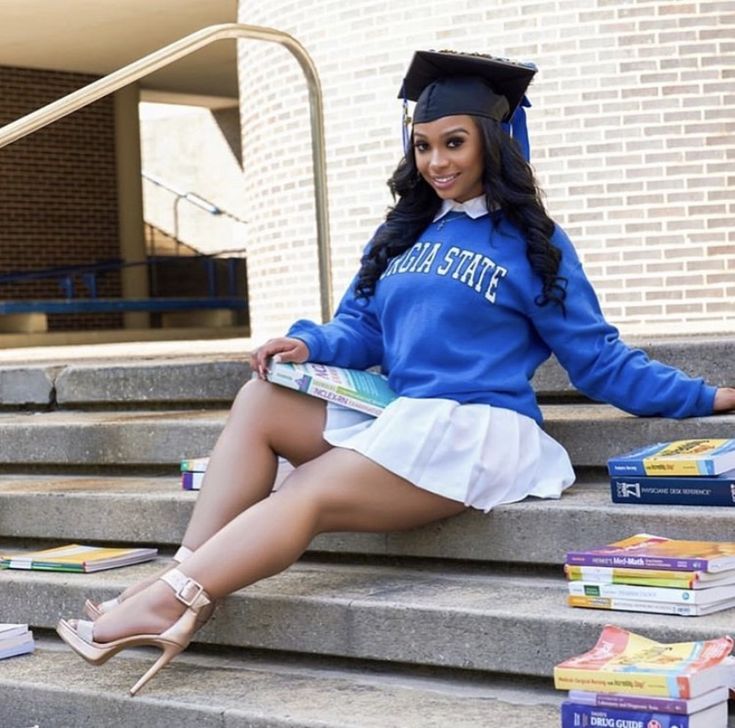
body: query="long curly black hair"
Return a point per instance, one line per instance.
(509, 186)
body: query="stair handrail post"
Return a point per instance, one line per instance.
(173, 52)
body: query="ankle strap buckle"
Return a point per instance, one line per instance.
(188, 592)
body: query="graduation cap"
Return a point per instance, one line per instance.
(446, 83)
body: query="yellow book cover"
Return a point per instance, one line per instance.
(680, 457)
(649, 577)
(628, 663)
(77, 557)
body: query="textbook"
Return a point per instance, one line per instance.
(15, 639)
(649, 577)
(680, 457)
(77, 558)
(192, 481)
(621, 604)
(193, 470)
(365, 391)
(700, 597)
(644, 551)
(648, 704)
(628, 663)
(192, 473)
(706, 490)
(575, 715)
(194, 465)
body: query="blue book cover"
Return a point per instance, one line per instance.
(577, 715)
(715, 490)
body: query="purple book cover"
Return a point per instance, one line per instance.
(645, 703)
(574, 715)
(644, 551)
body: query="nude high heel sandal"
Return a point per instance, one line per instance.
(93, 611)
(79, 635)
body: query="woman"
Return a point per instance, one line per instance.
(464, 290)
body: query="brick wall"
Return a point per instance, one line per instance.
(631, 130)
(58, 201)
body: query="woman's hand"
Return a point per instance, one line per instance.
(281, 349)
(724, 399)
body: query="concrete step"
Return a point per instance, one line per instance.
(181, 378)
(53, 688)
(591, 433)
(515, 623)
(155, 510)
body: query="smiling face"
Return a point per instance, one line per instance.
(450, 156)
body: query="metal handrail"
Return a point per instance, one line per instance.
(191, 197)
(177, 50)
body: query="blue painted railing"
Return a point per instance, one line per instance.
(68, 276)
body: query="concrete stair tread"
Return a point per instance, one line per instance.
(250, 692)
(517, 623)
(577, 412)
(591, 434)
(167, 372)
(153, 509)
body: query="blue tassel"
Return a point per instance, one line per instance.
(518, 129)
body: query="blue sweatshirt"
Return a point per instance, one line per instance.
(455, 317)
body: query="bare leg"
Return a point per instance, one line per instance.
(339, 491)
(265, 421)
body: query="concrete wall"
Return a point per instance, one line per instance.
(632, 137)
(191, 150)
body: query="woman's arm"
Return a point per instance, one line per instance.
(353, 338)
(602, 366)
(724, 399)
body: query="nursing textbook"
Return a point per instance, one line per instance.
(15, 639)
(680, 609)
(77, 558)
(649, 577)
(644, 551)
(679, 457)
(574, 715)
(645, 703)
(365, 391)
(626, 663)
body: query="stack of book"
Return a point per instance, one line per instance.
(193, 470)
(683, 472)
(631, 681)
(15, 639)
(647, 573)
(192, 473)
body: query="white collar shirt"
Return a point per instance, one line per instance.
(474, 208)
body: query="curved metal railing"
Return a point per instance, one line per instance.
(177, 50)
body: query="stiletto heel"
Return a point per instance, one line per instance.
(80, 635)
(94, 611)
(168, 654)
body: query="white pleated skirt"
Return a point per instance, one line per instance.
(477, 454)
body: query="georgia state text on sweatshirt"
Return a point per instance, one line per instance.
(455, 317)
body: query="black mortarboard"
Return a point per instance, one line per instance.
(445, 83)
